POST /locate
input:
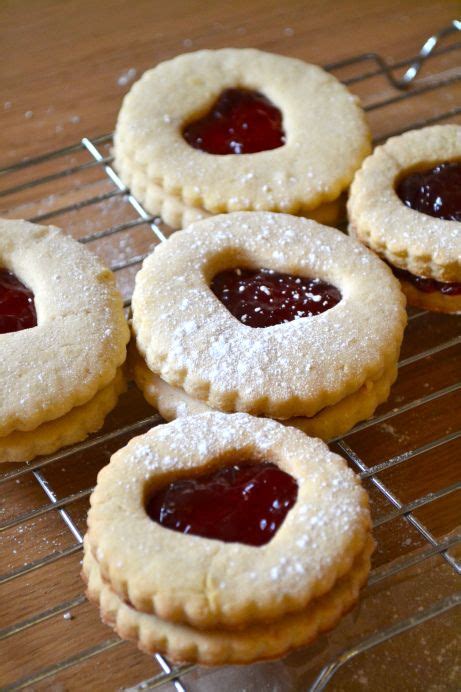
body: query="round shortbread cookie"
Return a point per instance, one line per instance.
(435, 301)
(326, 133)
(217, 647)
(215, 583)
(191, 340)
(177, 214)
(81, 336)
(422, 244)
(72, 427)
(332, 421)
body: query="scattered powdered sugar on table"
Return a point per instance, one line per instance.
(127, 77)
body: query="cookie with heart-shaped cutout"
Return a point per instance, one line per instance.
(289, 516)
(267, 313)
(405, 204)
(63, 337)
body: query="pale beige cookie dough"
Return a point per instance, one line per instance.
(326, 135)
(70, 428)
(332, 421)
(80, 340)
(421, 244)
(435, 301)
(190, 339)
(178, 214)
(182, 642)
(218, 584)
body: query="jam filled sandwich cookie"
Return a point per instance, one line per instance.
(269, 314)
(226, 539)
(63, 339)
(227, 130)
(405, 204)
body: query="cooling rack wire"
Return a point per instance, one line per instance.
(363, 69)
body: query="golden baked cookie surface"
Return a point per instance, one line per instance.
(191, 340)
(325, 131)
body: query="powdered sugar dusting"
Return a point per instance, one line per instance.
(127, 77)
(329, 517)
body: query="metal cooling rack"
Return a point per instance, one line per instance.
(371, 65)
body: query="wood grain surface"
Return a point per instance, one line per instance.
(64, 68)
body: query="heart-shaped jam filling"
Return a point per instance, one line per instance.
(265, 297)
(434, 191)
(241, 121)
(426, 285)
(17, 307)
(245, 503)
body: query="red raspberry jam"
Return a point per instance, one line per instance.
(264, 297)
(435, 191)
(240, 122)
(245, 503)
(426, 285)
(17, 307)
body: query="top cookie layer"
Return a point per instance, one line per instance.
(294, 369)
(81, 335)
(409, 239)
(326, 134)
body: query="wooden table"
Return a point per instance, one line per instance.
(64, 69)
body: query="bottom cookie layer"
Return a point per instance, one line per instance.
(73, 427)
(332, 421)
(435, 301)
(183, 643)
